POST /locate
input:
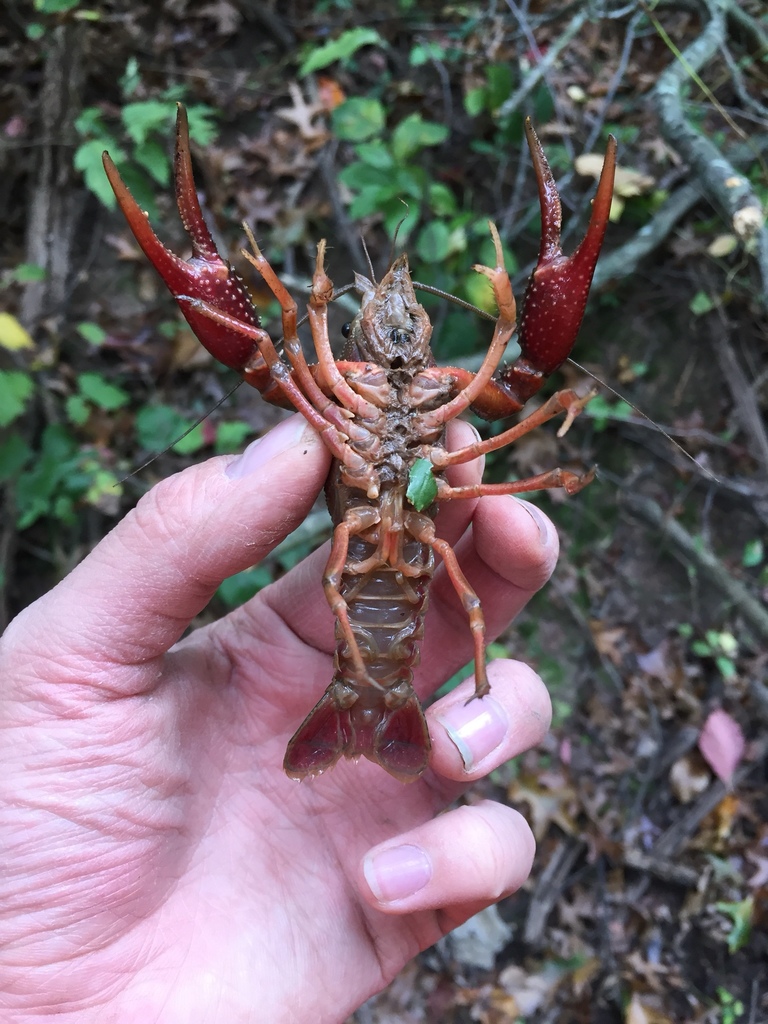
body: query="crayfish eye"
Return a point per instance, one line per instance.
(346, 328)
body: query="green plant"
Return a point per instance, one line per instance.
(393, 177)
(144, 126)
(731, 1008)
(740, 914)
(722, 647)
(55, 476)
(339, 49)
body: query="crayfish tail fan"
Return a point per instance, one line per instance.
(401, 742)
(397, 738)
(319, 741)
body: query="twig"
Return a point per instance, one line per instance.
(549, 887)
(660, 867)
(545, 65)
(728, 191)
(743, 391)
(689, 551)
(624, 261)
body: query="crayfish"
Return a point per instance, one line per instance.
(382, 411)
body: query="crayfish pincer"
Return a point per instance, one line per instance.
(382, 411)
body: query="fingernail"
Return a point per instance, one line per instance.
(476, 729)
(285, 435)
(397, 872)
(537, 516)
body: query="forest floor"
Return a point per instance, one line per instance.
(648, 902)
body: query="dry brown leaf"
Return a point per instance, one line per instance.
(531, 992)
(640, 1011)
(609, 642)
(302, 115)
(722, 245)
(689, 778)
(544, 805)
(627, 183)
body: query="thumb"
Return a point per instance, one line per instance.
(135, 594)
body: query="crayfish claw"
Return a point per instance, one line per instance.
(206, 277)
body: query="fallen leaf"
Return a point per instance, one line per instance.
(12, 335)
(688, 778)
(722, 744)
(722, 245)
(479, 940)
(329, 93)
(627, 182)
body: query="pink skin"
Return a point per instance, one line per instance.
(157, 863)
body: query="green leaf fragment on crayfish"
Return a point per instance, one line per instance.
(422, 488)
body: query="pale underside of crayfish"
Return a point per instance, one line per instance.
(382, 411)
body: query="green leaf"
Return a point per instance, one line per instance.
(15, 390)
(441, 199)
(360, 177)
(203, 128)
(422, 53)
(15, 453)
(741, 916)
(145, 117)
(77, 410)
(474, 100)
(153, 158)
(414, 133)
(499, 84)
(103, 394)
(340, 49)
(240, 588)
(422, 488)
(753, 553)
(92, 333)
(39, 487)
(230, 436)
(375, 154)
(159, 426)
(191, 442)
(701, 303)
(726, 667)
(25, 273)
(55, 6)
(401, 217)
(131, 79)
(434, 242)
(358, 119)
(87, 160)
(91, 123)
(601, 411)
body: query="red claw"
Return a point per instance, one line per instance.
(206, 275)
(556, 296)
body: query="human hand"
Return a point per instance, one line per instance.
(157, 863)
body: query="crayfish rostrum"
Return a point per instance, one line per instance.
(382, 411)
